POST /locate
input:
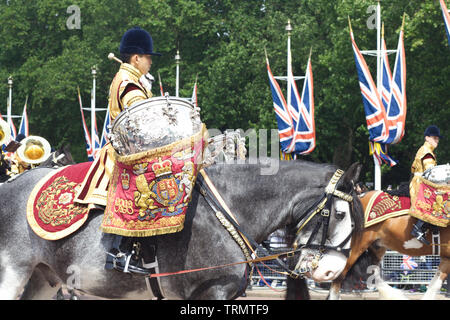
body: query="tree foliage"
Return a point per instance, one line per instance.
(223, 43)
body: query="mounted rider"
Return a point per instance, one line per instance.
(425, 159)
(128, 87)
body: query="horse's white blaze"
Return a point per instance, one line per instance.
(340, 229)
(11, 281)
(330, 267)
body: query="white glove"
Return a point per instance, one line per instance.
(147, 80)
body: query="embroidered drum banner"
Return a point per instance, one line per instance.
(432, 203)
(149, 192)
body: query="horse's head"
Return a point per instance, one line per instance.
(325, 230)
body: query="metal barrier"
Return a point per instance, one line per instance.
(395, 270)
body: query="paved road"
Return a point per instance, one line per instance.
(268, 294)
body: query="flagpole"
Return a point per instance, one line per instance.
(10, 85)
(93, 119)
(177, 60)
(289, 63)
(377, 169)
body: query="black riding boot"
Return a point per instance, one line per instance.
(128, 261)
(419, 231)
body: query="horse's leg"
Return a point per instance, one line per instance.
(12, 278)
(358, 249)
(42, 285)
(438, 279)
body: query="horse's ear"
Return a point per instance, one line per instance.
(351, 176)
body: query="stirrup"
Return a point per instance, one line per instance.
(122, 262)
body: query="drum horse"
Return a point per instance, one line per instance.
(316, 202)
(394, 233)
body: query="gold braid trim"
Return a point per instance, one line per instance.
(445, 187)
(235, 235)
(165, 150)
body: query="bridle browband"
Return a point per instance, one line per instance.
(323, 205)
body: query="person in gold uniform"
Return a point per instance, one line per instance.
(425, 159)
(131, 84)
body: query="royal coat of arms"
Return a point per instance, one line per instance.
(150, 192)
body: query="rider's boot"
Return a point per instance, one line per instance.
(129, 261)
(419, 231)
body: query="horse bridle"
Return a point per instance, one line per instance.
(323, 205)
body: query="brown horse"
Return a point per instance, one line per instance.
(394, 234)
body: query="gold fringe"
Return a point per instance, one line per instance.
(141, 233)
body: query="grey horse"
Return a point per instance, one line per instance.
(261, 204)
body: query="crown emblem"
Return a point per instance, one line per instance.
(125, 177)
(162, 167)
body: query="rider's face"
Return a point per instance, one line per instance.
(434, 141)
(143, 62)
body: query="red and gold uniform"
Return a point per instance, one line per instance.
(424, 160)
(125, 90)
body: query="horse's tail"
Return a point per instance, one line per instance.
(358, 274)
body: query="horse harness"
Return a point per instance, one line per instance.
(323, 205)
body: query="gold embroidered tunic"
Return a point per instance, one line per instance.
(424, 160)
(126, 89)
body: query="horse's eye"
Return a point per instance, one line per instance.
(340, 215)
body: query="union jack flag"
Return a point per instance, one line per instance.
(375, 113)
(23, 128)
(386, 76)
(105, 129)
(283, 116)
(446, 19)
(13, 128)
(304, 140)
(396, 110)
(408, 263)
(87, 136)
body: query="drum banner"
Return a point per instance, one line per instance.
(149, 192)
(51, 211)
(432, 203)
(382, 206)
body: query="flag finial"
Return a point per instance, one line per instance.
(289, 27)
(403, 22)
(350, 24)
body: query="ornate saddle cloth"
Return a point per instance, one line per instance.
(382, 206)
(432, 203)
(51, 211)
(149, 192)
